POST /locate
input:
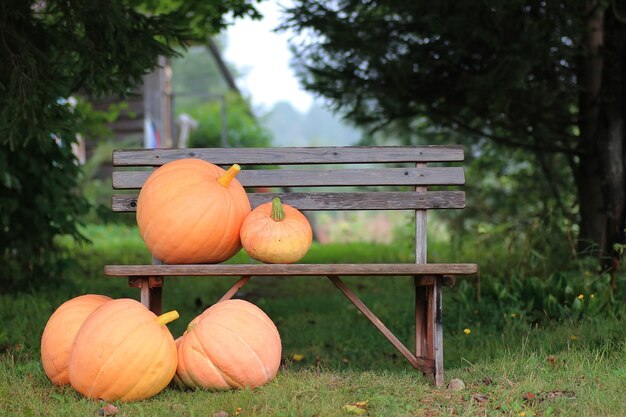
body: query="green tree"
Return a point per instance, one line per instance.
(546, 77)
(51, 50)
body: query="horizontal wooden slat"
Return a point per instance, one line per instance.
(340, 201)
(407, 269)
(292, 155)
(322, 177)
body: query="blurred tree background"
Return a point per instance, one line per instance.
(535, 89)
(224, 116)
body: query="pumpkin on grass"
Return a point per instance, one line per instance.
(233, 344)
(123, 352)
(60, 331)
(190, 211)
(276, 233)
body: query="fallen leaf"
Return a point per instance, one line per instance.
(238, 411)
(456, 384)
(528, 396)
(353, 409)
(361, 404)
(297, 357)
(108, 410)
(551, 360)
(345, 360)
(481, 398)
(487, 380)
(221, 413)
(552, 395)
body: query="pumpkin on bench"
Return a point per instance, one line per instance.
(190, 245)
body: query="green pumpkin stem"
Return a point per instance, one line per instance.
(278, 214)
(229, 175)
(168, 317)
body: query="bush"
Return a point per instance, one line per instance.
(39, 201)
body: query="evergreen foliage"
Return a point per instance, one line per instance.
(51, 50)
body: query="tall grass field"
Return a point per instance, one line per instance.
(515, 356)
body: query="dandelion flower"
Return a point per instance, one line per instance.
(581, 296)
(467, 331)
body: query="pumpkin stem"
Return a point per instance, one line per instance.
(278, 214)
(170, 316)
(229, 175)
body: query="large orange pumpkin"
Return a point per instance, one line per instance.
(123, 352)
(60, 331)
(276, 233)
(233, 344)
(190, 211)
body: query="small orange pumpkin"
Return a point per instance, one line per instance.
(60, 331)
(233, 344)
(276, 233)
(123, 352)
(190, 211)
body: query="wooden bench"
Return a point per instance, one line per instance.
(395, 177)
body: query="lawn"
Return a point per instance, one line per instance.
(334, 362)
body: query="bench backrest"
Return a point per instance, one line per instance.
(399, 176)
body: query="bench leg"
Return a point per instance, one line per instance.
(151, 292)
(235, 288)
(428, 325)
(418, 362)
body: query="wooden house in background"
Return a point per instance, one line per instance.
(149, 120)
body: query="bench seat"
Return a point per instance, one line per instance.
(376, 269)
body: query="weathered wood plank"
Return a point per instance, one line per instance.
(292, 155)
(404, 269)
(436, 318)
(339, 201)
(322, 177)
(426, 280)
(421, 314)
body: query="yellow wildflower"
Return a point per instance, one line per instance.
(581, 296)
(467, 331)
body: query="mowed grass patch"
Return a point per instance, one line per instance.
(570, 382)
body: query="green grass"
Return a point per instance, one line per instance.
(571, 368)
(574, 382)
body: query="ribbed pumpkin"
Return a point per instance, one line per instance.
(60, 331)
(190, 211)
(123, 352)
(233, 344)
(276, 233)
